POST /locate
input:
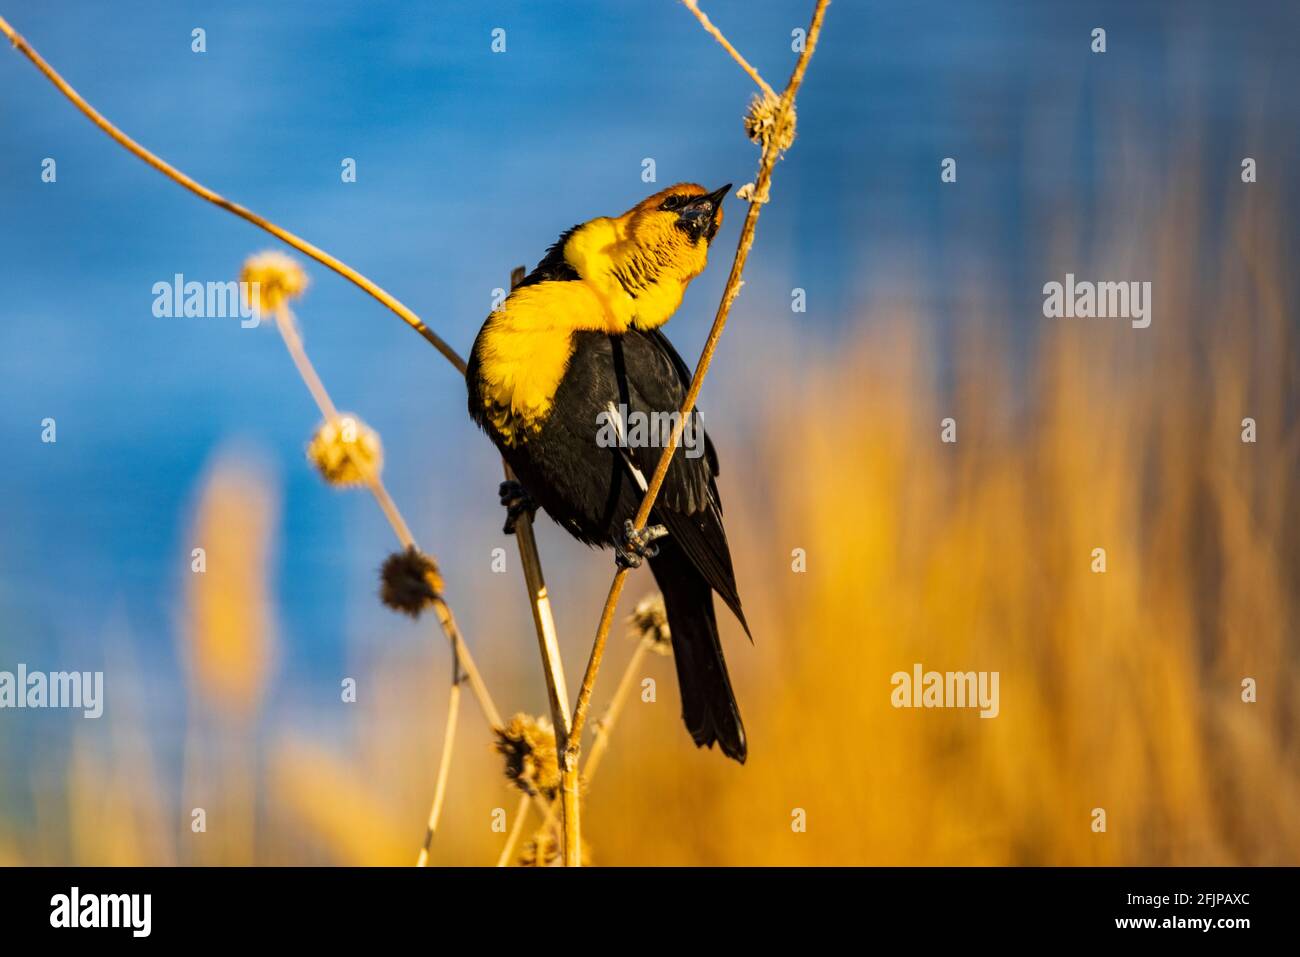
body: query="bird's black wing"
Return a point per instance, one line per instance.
(688, 504)
(591, 489)
(684, 376)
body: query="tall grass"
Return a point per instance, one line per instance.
(1120, 690)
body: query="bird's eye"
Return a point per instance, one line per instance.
(673, 202)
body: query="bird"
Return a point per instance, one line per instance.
(559, 371)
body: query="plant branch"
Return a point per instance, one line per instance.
(544, 620)
(539, 600)
(284, 322)
(176, 176)
(604, 727)
(713, 31)
(512, 839)
(444, 760)
(771, 152)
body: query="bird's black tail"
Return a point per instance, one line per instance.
(708, 704)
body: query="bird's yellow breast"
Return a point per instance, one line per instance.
(641, 284)
(524, 349)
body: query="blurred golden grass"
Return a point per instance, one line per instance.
(229, 639)
(1119, 691)
(230, 647)
(338, 808)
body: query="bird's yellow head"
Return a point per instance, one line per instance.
(641, 262)
(683, 219)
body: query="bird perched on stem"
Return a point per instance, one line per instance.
(563, 377)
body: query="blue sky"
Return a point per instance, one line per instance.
(470, 162)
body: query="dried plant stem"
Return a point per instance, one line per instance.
(389, 508)
(605, 725)
(539, 600)
(176, 176)
(548, 642)
(569, 756)
(553, 668)
(527, 544)
(444, 760)
(730, 291)
(517, 828)
(449, 628)
(713, 31)
(288, 328)
(284, 322)
(571, 805)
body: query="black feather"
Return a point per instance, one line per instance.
(592, 491)
(553, 267)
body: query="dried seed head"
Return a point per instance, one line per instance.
(409, 582)
(346, 451)
(271, 279)
(529, 747)
(765, 127)
(649, 622)
(544, 850)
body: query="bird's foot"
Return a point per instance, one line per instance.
(634, 546)
(517, 502)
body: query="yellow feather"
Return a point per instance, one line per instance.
(639, 263)
(525, 347)
(633, 272)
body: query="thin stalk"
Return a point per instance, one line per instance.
(390, 510)
(604, 727)
(714, 32)
(284, 322)
(198, 189)
(288, 328)
(444, 761)
(512, 839)
(544, 621)
(449, 628)
(539, 600)
(771, 152)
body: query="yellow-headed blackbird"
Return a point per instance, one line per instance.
(576, 350)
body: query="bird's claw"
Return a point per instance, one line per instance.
(635, 545)
(517, 502)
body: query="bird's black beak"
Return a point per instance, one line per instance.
(699, 217)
